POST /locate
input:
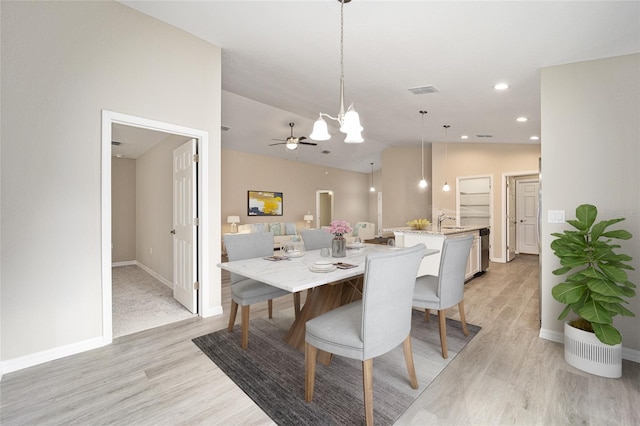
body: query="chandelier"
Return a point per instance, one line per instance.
(349, 120)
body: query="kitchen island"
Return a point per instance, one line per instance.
(433, 239)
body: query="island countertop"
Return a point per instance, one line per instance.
(445, 230)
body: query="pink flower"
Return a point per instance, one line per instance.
(340, 227)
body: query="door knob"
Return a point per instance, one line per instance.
(173, 231)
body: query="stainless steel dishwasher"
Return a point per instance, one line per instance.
(484, 249)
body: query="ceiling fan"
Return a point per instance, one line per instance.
(292, 142)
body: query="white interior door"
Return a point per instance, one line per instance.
(527, 216)
(185, 243)
(511, 219)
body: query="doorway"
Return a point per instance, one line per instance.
(520, 204)
(324, 207)
(201, 261)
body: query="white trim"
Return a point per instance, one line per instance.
(155, 275)
(125, 263)
(558, 337)
(109, 118)
(51, 354)
(215, 310)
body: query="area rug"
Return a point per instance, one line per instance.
(271, 373)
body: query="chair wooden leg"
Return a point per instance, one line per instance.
(232, 315)
(408, 357)
(310, 355)
(296, 304)
(270, 304)
(367, 384)
(443, 332)
(427, 314)
(463, 320)
(245, 326)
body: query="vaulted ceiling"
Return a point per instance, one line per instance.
(281, 64)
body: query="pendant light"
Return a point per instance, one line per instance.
(446, 187)
(373, 188)
(423, 182)
(349, 120)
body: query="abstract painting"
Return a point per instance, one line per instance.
(264, 203)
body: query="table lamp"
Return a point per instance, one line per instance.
(308, 218)
(233, 220)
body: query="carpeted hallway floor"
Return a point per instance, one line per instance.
(141, 302)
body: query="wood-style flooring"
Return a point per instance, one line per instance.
(506, 375)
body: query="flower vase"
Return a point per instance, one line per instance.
(338, 246)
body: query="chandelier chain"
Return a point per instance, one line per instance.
(342, 40)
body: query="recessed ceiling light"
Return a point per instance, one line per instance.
(501, 86)
(464, 137)
(522, 119)
(534, 138)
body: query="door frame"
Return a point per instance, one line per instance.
(109, 118)
(503, 209)
(318, 207)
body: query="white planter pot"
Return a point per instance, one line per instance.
(584, 351)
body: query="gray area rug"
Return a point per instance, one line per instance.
(141, 302)
(271, 373)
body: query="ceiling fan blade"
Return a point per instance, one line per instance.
(301, 138)
(308, 143)
(280, 143)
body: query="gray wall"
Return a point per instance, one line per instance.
(62, 63)
(591, 154)
(123, 209)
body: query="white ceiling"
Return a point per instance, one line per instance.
(281, 63)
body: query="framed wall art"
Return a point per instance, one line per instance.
(264, 203)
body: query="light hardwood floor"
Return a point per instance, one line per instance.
(506, 375)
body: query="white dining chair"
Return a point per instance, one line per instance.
(315, 239)
(372, 326)
(246, 291)
(447, 289)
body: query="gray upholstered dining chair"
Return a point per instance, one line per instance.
(246, 291)
(372, 326)
(447, 289)
(315, 239)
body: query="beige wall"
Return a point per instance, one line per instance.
(470, 159)
(591, 154)
(154, 206)
(123, 209)
(62, 63)
(402, 198)
(297, 181)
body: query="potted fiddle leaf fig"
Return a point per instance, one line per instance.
(596, 284)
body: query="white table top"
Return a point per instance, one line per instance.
(294, 275)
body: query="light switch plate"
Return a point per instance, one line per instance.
(555, 216)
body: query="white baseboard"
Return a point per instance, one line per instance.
(125, 263)
(556, 336)
(51, 354)
(155, 275)
(213, 311)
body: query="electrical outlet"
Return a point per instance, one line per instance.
(555, 216)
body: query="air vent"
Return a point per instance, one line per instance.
(225, 128)
(421, 90)
(115, 143)
(326, 152)
(484, 136)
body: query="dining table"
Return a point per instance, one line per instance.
(327, 288)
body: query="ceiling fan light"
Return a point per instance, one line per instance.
(423, 183)
(353, 137)
(446, 187)
(351, 122)
(320, 131)
(292, 145)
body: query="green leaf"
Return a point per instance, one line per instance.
(564, 312)
(607, 334)
(562, 271)
(594, 312)
(620, 234)
(619, 309)
(604, 287)
(614, 273)
(586, 214)
(568, 292)
(607, 299)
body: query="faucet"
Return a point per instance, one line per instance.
(441, 218)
